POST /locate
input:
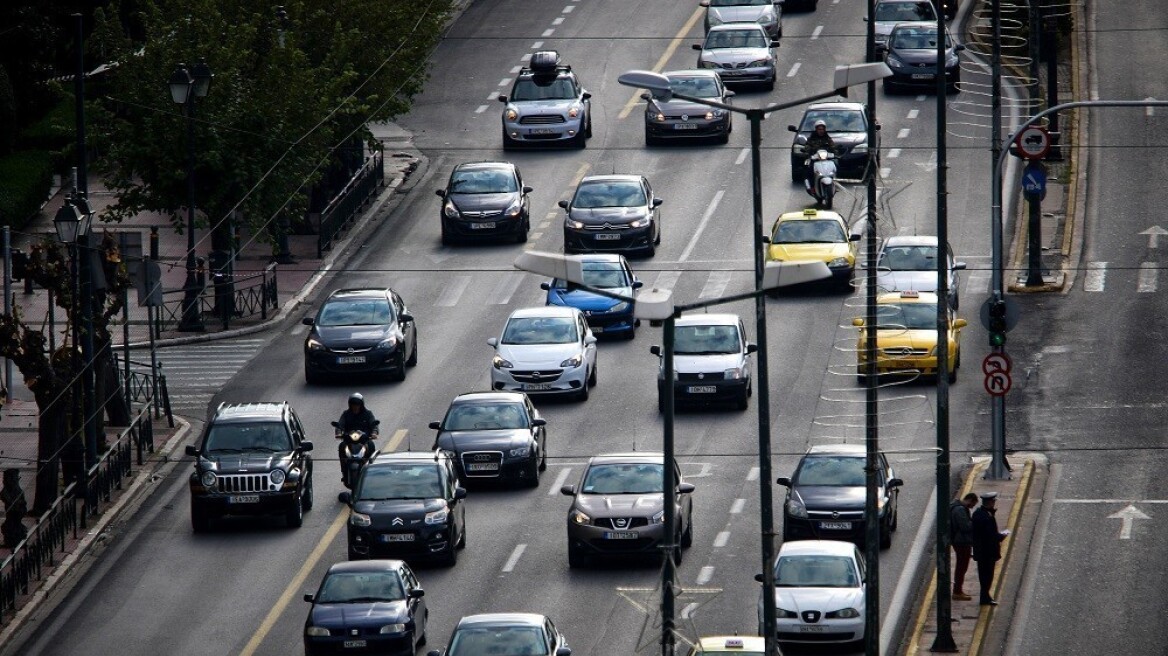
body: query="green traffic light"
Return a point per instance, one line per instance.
(997, 339)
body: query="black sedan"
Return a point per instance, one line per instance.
(360, 331)
(485, 199)
(366, 607)
(911, 54)
(494, 436)
(825, 497)
(613, 213)
(505, 633)
(847, 123)
(685, 119)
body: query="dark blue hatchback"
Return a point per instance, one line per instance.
(366, 607)
(605, 315)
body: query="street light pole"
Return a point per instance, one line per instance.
(669, 573)
(871, 428)
(185, 86)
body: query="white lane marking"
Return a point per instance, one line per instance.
(903, 133)
(921, 98)
(558, 21)
(506, 289)
(543, 225)
(452, 292)
(688, 610)
(298, 329)
(1123, 501)
(505, 81)
(893, 153)
(794, 69)
(548, 32)
(745, 152)
(710, 209)
(514, 559)
(526, 57)
(715, 284)
(905, 583)
(913, 113)
(737, 506)
(722, 539)
(1150, 111)
(667, 279)
(494, 96)
(537, 45)
(816, 32)
(480, 109)
(1096, 277)
(535, 235)
(753, 474)
(885, 172)
(516, 69)
(561, 478)
(1148, 275)
(705, 575)
(568, 9)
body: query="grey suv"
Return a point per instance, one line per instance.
(615, 213)
(547, 105)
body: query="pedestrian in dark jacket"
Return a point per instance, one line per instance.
(961, 537)
(987, 544)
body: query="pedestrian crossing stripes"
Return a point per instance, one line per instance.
(196, 372)
(1099, 274)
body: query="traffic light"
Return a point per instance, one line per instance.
(998, 323)
(19, 264)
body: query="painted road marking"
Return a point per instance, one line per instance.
(742, 155)
(526, 57)
(903, 133)
(1148, 275)
(1096, 277)
(921, 98)
(710, 209)
(299, 329)
(667, 279)
(580, 173)
(536, 235)
(516, 69)
(794, 69)
(558, 21)
(493, 96)
(689, 609)
(715, 284)
(506, 289)
(1112, 501)
(669, 50)
(568, 9)
(893, 153)
(544, 225)
(505, 81)
(537, 45)
(452, 292)
(561, 478)
(515, 556)
(548, 32)
(737, 506)
(913, 113)
(753, 474)
(722, 539)
(705, 575)
(886, 172)
(480, 109)
(816, 32)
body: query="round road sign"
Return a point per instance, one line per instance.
(1033, 142)
(998, 383)
(996, 362)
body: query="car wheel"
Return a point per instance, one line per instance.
(895, 516)
(310, 377)
(200, 518)
(743, 401)
(953, 375)
(770, 85)
(678, 555)
(422, 638)
(630, 334)
(462, 537)
(581, 140)
(885, 537)
(398, 375)
(660, 404)
(722, 139)
(651, 251)
(508, 142)
(588, 129)
(657, 239)
(412, 361)
(295, 515)
(309, 495)
(592, 377)
(521, 235)
(577, 558)
(447, 239)
(797, 174)
(889, 88)
(543, 456)
(451, 558)
(584, 391)
(650, 140)
(687, 536)
(532, 479)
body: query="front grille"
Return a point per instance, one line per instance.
(537, 376)
(903, 352)
(622, 523)
(732, 65)
(476, 214)
(608, 226)
(836, 636)
(701, 377)
(542, 119)
(246, 483)
(685, 117)
(478, 464)
(347, 350)
(831, 516)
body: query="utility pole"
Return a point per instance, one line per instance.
(871, 435)
(669, 546)
(998, 470)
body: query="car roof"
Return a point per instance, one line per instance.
(254, 410)
(711, 319)
(601, 257)
(375, 565)
(366, 292)
(908, 296)
(652, 457)
(838, 449)
(484, 166)
(692, 72)
(392, 457)
(726, 27)
(719, 644)
(816, 547)
(911, 240)
(544, 311)
(485, 396)
(836, 105)
(810, 215)
(611, 177)
(521, 619)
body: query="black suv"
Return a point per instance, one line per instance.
(251, 460)
(825, 497)
(485, 199)
(407, 505)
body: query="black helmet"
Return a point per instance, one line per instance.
(356, 397)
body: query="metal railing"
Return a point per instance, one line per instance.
(145, 385)
(254, 294)
(344, 206)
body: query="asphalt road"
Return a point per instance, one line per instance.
(237, 590)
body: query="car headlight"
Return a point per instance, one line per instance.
(521, 452)
(797, 509)
(574, 112)
(512, 115)
(715, 113)
(894, 61)
(208, 479)
(766, 19)
(785, 614)
(316, 632)
(619, 307)
(580, 518)
(573, 362)
(393, 628)
(575, 225)
(278, 476)
(759, 62)
(951, 60)
(659, 117)
(839, 262)
(515, 208)
(734, 373)
(706, 64)
(314, 344)
(359, 519)
(639, 223)
(843, 614)
(860, 148)
(658, 517)
(437, 517)
(388, 343)
(500, 363)
(450, 210)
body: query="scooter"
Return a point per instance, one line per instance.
(356, 451)
(821, 185)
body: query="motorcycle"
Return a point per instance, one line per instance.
(821, 185)
(356, 451)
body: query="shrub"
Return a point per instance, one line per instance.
(25, 180)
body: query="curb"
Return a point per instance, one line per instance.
(67, 565)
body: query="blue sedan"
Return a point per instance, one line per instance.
(605, 315)
(366, 607)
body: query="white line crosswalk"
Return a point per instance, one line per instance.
(196, 372)
(1145, 277)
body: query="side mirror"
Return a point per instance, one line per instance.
(546, 286)
(308, 321)
(345, 497)
(460, 493)
(792, 128)
(539, 422)
(697, 46)
(877, 126)
(704, 3)
(493, 342)
(728, 94)
(959, 47)
(528, 190)
(637, 284)
(959, 266)
(306, 445)
(655, 350)
(417, 593)
(585, 95)
(759, 578)
(334, 424)
(657, 202)
(502, 98)
(589, 340)
(568, 490)
(436, 425)
(191, 450)
(894, 482)
(685, 488)
(858, 322)
(751, 348)
(855, 236)
(563, 651)
(958, 324)
(646, 96)
(441, 193)
(309, 597)
(406, 318)
(785, 481)
(563, 204)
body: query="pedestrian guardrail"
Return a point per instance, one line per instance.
(145, 384)
(251, 295)
(345, 206)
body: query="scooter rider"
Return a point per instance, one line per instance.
(819, 140)
(357, 417)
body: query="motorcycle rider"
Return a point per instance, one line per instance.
(357, 417)
(817, 141)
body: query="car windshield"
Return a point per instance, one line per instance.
(267, 436)
(739, 3)
(702, 87)
(906, 316)
(905, 12)
(816, 571)
(360, 587)
(915, 40)
(485, 416)
(815, 231)
(363, 312)
(609, 194)
(706, 340)
(639, 478)
(483, 182)
(499, 641)
(909, 258)
(421, 480)
(834, 471)
(602, 275)
(837, 120)
(737, 39)
(540, 330)
(535, 88)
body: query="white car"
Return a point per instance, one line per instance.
(741, 53)
(909, 263)
(819, 593)
(889, 13)
(711, 361)
(545, 350)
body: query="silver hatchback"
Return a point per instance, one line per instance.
(740, 53)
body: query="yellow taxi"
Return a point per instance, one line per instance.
(742, 645)
(813, 234)
(906, 336)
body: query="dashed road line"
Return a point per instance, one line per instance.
(667, 279)
(737, 506)
(920, 98)
(568, 9)
(893, 153)
(753, 474)
(544, 225)
(715, 285)
(1096, 277)
(903, 133)
(506, 289)
(1148, 275)
(558, 21)
(681, 35)
(742, 155)
(452, 292)
(537, 45)
(526, 57)
(816, 32)
(885, 172)
(794, 69)
(513, 560)
(722, 539)
(548, 32)
(913, 113)
(516, 69)
(481, 108)
(505, 81)
(494, 96)
(535, 235)
(580, 173)
(561, 478)
(710, 209)
(705, 575)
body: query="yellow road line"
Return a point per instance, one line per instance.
(681, 35)
(580, 173)
(313, 559)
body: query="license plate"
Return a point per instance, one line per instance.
(482, 466)
(351, 359)
(544, 131)
(482, 226)
(536, 387)
(701, 389)
(608, 236)
(903, 364)
(810, 629)
(685, 126)
(922, 76)
(354, 644)
(620, 535)
(731, 72)
(835, 526)
(398, 537)
(244, 498)
(597, 329)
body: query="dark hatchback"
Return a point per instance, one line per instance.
(407, 505)
(847, 123)
(505, 634)
(605, 315)
(366, 607)
(485, 200)
(825, 497)
(494, 436)
(911, 55)
(612, 213)
(685, 119)
(359, 331)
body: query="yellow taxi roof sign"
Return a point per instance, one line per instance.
(734, 643)
(810, 211)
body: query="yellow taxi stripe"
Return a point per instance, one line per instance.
(681, 35)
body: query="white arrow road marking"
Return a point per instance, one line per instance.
(514, 559)
(1153, 234)
(1096, 277)
(1148, 275)
(1127, 516)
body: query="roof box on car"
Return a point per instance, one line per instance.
(545, 61)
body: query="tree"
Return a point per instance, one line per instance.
(276, 115)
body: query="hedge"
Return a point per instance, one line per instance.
(25, 179)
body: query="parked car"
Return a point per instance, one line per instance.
(372, 606)
(613, 213)
(358, 331)
(911, 54)
(547, 105)
(505, 633)
(711, 361)
(909, 262)
(494, 436)
(767, 13)
(819, 593)
(847, 123)
(741, 53)
(684, 119)
(485, 199)
(545, 350)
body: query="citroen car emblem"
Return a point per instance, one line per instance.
(398, 521)
(685, 117)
